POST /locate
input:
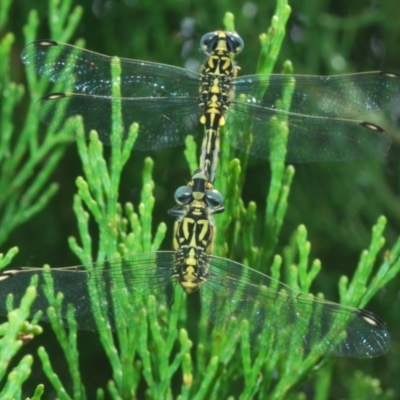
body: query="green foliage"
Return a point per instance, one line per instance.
(165, 354)
(13, 334)
(23, 197)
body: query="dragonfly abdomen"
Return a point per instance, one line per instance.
(215, 96)
(191, 268)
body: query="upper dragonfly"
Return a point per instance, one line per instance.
(168, 102)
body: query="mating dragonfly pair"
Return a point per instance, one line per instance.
(167, 104)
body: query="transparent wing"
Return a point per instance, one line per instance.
(90, 72)
(254, 129)
(291, 319)
(163, 122)
(318, 126)
(120, 288)
(164, 100)
(161, 98)
(339, 96)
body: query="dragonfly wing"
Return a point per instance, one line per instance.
(163, 122)
(71, 281)
(116, 290)
(260, 131)
(82, 71)
(279, 315)
(339, 96)
(128, 282)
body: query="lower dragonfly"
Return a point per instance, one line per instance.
(117, 290)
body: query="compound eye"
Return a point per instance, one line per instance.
(214, 199)
(208, 41)
(235, 43)
(183, 195)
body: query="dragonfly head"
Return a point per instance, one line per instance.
(199, 189)
(221, 41)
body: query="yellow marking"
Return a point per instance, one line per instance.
(189, 286)
(212, 111)
(193, 242)
(201, 175)
(192, 253)
(198, 195)
(209, 134)
(177, 237)
(204, 225)
(227, 62)
(222, 44)
(214, 99)
(190, 272)
(186, 226)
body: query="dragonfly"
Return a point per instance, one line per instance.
(231, 293)
(326, 118)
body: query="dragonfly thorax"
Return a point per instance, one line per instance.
(193, 242)
(194, 228)
(194, 233)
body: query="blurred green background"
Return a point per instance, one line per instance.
(338, 202)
